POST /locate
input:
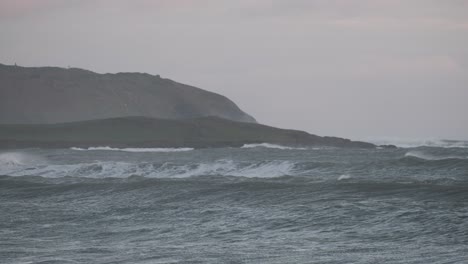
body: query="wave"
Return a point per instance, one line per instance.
(265, 169)
(414, 143)
(230, 170)
(15, 159)
(427, 156)
(272, 146)
(344, 177)
(134, 149)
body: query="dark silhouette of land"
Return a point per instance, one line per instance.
(148, 132)
(46, 95)
(57, 107)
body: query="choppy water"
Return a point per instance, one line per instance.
(258, 204)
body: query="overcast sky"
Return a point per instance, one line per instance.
(359, 69)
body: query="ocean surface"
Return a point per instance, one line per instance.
(257, 204)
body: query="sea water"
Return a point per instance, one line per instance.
(257, 204)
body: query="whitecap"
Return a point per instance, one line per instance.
(11, 162)
(134, 149)
(427, 156)
(344, 177)
(98, 169)
(15, 159)
(414, 143)
(272, 146)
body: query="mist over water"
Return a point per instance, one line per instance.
(258, 204)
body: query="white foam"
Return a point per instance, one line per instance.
(14, 162)
(267, 169)
(344, 177)
(427, 156)
(15, 159)
(414, 143)
(11, 159)
(134, 149)
(268, 145)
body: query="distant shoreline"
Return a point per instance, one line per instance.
(142, 132)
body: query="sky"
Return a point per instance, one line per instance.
(352, 68)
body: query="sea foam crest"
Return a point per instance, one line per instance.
(134, 149)
(15, 159)
(273, 146)
(11, 159)
(266, 169)
(344, 177)
(427, 156)
(414, 143)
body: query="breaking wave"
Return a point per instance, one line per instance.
(134, 149)
(427, 156)
(272, 146)
(344, 177)
(16, 159)
(314, 165)
(266, 169)
(414, 143)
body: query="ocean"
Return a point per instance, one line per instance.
(261, 203)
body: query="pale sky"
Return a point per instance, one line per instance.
(358, 69)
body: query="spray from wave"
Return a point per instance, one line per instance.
(272, 146)
(17, 159)
(133, 149)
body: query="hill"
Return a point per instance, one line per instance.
(46, 95)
